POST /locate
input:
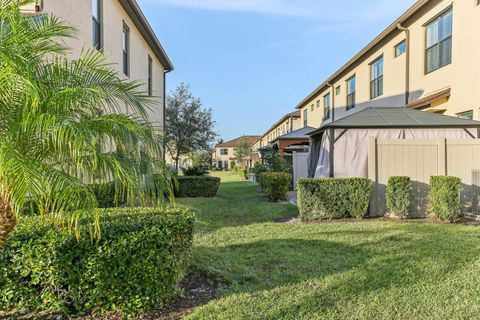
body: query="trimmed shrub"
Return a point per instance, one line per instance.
(197, 187)
(195, 171)
(135, 266)
(105, 194)
(398, 196)
(320, 199)
(445, 197)
(276, 185)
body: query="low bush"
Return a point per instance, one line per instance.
(398, 196)
(136, 265)
(445, 197)
(276, 185)
(195, 187)
(320, 199)
(195, 171)
(106, 197)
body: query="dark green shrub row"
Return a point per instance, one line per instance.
(105, 194)
(398, 196)
(195, 171)
(192, 187)
(320, 199)
(276, 185)
(445, 197)
(137, 264)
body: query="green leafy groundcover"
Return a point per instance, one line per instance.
(137, 264)
(320, 199)
(197, 187)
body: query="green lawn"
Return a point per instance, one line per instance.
(364, 270)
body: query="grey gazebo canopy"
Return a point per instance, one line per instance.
(383, 118)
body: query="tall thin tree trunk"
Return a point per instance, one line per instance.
(7, 221)
(177, 160)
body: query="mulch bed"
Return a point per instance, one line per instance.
(463, 221)
(197, 290)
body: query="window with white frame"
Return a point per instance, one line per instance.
(376, 83)
(97, 24)
(351, 92)
(126, 49)
(439, 42)
(326, 107)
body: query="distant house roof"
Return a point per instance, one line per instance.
(136, 14)
(236, 142)
(298, 134)
(391, 117)
(391, 28)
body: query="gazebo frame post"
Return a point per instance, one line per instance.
(331, 133)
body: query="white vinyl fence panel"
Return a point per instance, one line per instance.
(419, 160)
(300, 167)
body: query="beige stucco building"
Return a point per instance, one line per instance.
(225, 153)
(121, 31)
(427, 59)
(288, 123)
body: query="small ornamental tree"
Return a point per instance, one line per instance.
(189, 126)
(243, 150)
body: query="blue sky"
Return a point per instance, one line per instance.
(252, 61)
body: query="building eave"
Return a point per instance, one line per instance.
(391, 28)
(138, 18)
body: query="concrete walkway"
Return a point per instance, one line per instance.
(292, 197)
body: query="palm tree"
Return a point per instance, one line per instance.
(64, 123)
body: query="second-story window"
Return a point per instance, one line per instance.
(224, 152)
(305, 117)
(126, 49)
(150, 76)
(439, 42)
(338, 90)
(400, 48)
(376, 84)
(326, 107)
(351, 91)
(97, 24)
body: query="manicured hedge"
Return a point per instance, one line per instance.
(197, 187)
(445, 197)
(320, 199)
(105, 194)
(276, 185)
(136, 265)
(398, 196)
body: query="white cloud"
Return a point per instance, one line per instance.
(276, 7)
(329, 10)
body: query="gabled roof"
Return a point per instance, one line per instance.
(138, 18)
(394, 117)
(236, 142)
(298, 134)
(294, 114)
(391, 28)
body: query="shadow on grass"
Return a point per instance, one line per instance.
(237, 204)
(399, 258)
(263, 265)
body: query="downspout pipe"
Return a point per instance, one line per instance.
(332, 107)
(165, 72)
(407, 64)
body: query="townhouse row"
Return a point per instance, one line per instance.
(427, 60)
